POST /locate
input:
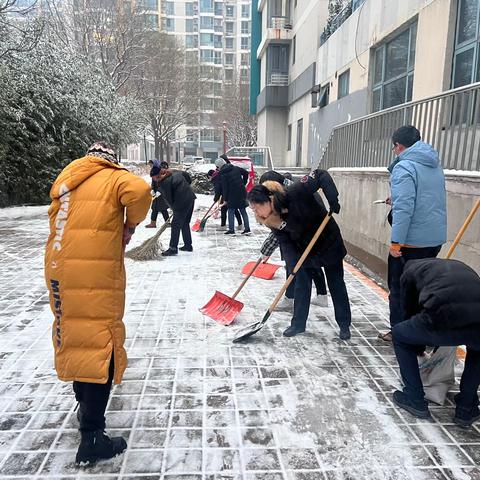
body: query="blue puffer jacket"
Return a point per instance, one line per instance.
(418, 197)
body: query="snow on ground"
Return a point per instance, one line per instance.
(195, 406)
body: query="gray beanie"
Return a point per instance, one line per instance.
(220, 162)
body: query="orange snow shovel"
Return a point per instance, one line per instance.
(223, 308)
(265, 271)
(253, 328)
(197, 226)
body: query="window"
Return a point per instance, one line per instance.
(245, 11)
(289, 137)
(206, 56)
(170, 25)
(207, 135)
(191, 41)
(277, 65)
(229, 10)
(229, 43)
(245, 27)
(206, 23)
(206, 6)
(218, 25)
(206, 39)
(218, 41)
(245, 59)
(229, 28)
(189, 12)
(245, 43)
(466, 63)
(218, 58)
(244, 74)
(150, 4)
(393, 68)
(151, 21)
(294, 49)
(169, 8)
(218, 8)
(344, 84)
(299, 142)
(191, 25)
(229, 59)
(207, 103)
(191, 57)
(228, 75)
(191, 136)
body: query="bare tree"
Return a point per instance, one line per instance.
(21, 25)
(113, 33)
(168, 88)
(235, 112)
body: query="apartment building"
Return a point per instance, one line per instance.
(374, 55)
(217, 34)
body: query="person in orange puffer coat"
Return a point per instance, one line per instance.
(96, 205)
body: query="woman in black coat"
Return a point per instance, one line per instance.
(294, 214)
(233, 180)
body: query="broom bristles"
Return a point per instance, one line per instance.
(150, 249)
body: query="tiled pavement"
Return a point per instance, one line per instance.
(195, 406)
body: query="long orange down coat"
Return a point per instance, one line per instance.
(84, 269)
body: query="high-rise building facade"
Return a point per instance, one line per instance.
(217, 34)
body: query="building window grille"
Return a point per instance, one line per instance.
(245, 43)
(245, 27)
(206, 6)
(245, 11)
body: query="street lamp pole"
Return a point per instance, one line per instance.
(224, 137)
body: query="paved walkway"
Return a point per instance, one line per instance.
(196, 407)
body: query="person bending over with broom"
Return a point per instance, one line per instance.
(294, 215)
(271, 244)
(179, 195)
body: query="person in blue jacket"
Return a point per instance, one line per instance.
(419, 211)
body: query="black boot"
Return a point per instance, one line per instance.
(98, 446)
(168, 253)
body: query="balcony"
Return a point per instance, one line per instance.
(333, 24)
(279, 31)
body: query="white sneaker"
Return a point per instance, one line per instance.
(320, 300)
(285, 304)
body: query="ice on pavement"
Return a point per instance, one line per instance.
(195, 406)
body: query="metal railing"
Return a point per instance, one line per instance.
(280, 22)
(260, 156)
(450, 122)
(278, 79)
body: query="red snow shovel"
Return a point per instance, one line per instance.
(223, 308)
(198, 222)
(265, 270)
(253, 328)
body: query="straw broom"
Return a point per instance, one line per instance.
(150, 249)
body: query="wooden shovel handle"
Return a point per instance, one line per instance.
(300, 261)
(463, 229)
(259, 261)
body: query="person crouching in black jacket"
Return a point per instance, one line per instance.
(441, 305)
(294, 215)
(178, 193)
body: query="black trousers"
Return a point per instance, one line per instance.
(155, 210)
(181, 223)
(93, 399)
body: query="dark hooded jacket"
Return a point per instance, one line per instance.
(217, 186)
(306, 212)
(159, 202)
(447, 290)
(233, 180)
(176, 191)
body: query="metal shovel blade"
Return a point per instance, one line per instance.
(248, 331)
(222, 308)
(266, 271)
